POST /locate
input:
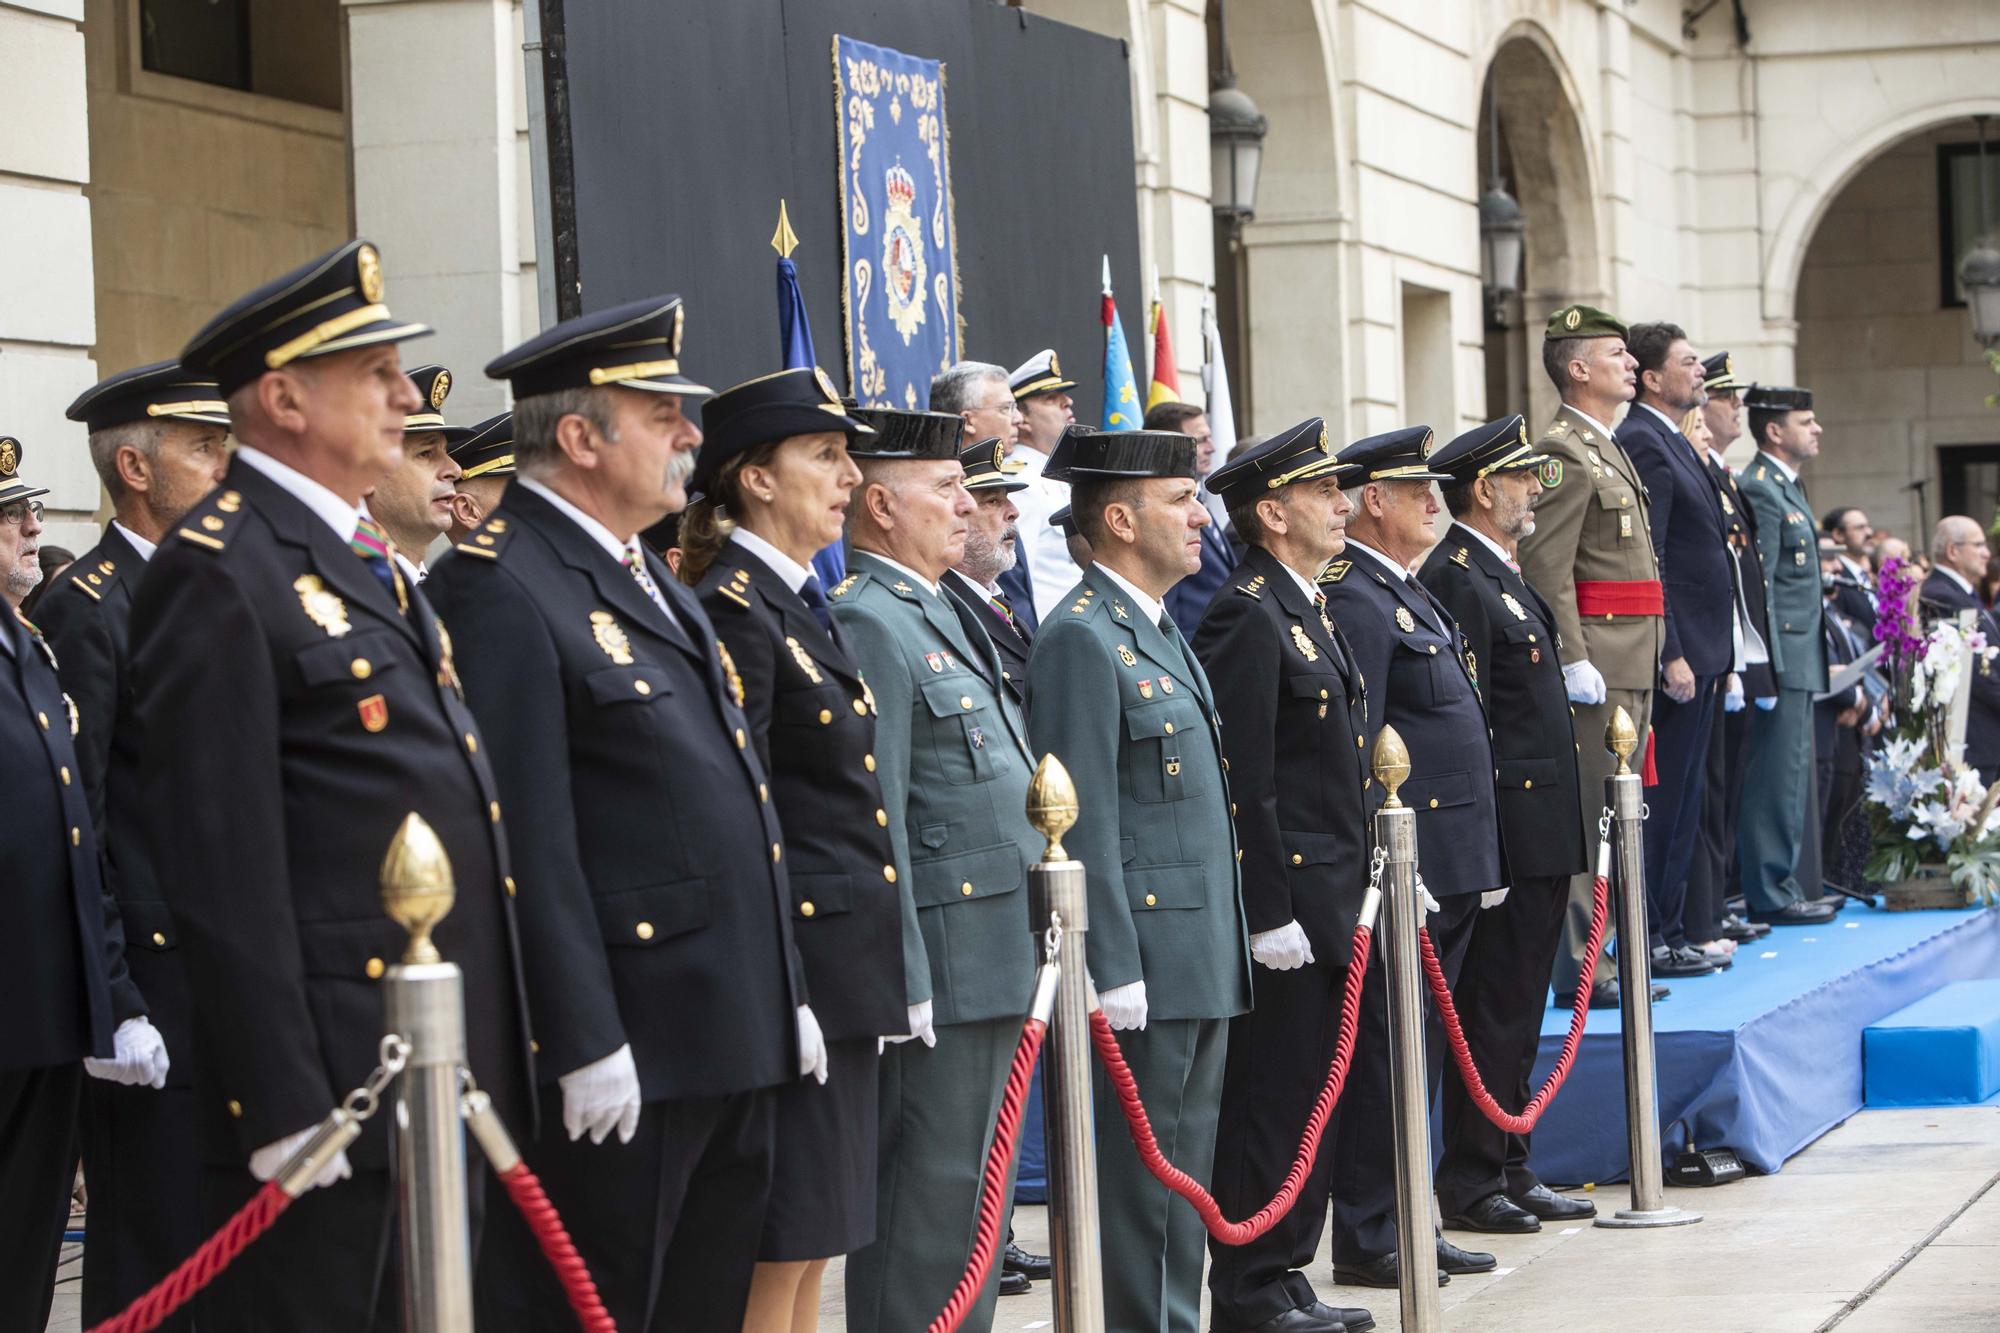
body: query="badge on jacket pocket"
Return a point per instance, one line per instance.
(374, 712)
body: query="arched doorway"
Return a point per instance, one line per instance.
(1542, 156)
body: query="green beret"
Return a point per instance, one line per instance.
(1583, 321)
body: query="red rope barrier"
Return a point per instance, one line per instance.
(202, 1267)
(1461, 1052)
(993, 1184)
(1240, 1233)
(542, 1219)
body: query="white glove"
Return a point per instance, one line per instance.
(1431, 904)
(1732, 697)
(267, 1160)
(601, 1096)
(1493, 897)
(920, 1027)
(1767, 703)
(1584, 683)
(1282, 949)
(812, 1046)
(1125, 1007)
(139, 1056)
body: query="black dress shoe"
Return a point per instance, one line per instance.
(1015, 1284)
(1382, 1271)
(1682, 962)
(1796, 914)
(1603, 996)
(1734, 927)
(1830, 898)
(1035, 1267)
(1660, 992)
(1451, 1259)
(1353, 1317)
(1309, 1320)
(1550, 1206)
(1495, 1213)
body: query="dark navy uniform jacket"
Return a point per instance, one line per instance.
(1189, 599)
(1685, 512)
(62, 969)
(86, 617)
(1294, 715)
(812, 725)
(1408, 651)
(1511, 649)
(653, 898)
(1011, 644)
(294, 716)
(1739, 523)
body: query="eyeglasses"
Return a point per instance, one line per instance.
(16, 514)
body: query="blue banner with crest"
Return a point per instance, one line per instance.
(899, 284)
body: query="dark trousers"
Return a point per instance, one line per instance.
(37, 1163)
(142, 1164)
(1674, 807)
(669, 1223)
(1701, 914)
(1276, 1063)
(1501, 995)
(1364, 1165)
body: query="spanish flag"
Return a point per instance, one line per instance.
(1166, 385)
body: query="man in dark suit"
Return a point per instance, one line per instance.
(666, 990)
(1514, 655)
(71, 1005)
(290, 673)
(1408, 651)
(1959, 557)
(159, 440)
(1854, 581)
(1685, 512)
(1188, 599)
(1293, 711)
(992, 547)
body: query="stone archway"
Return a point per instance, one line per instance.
(1546, 162)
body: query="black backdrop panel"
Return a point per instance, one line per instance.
(691, 121)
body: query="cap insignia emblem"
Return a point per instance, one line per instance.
(440, 388)
(1404, 620)
(674, 342)
(1324, 447)
(1514, 607)
(1430, 443)
(1054, 369)
(1125, 656)
(610, 637)
(1304, 645)
(10, 456)
(323, 608)
(804, 659)
(826, 386)
(1729, 364)
(368, 273)
(1573, 318)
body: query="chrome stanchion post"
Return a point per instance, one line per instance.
(1057, 901)
(1402, 967)
(424, 1003)
(1623, 792)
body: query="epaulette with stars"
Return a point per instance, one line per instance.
(492, 536)
(1253, 589)
(96, 582)
(849, 584)
(1462, 557)
(210, 523)
(1083, 601)
(1336, 571)
(737, 589)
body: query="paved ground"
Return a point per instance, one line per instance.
(1890, 1224)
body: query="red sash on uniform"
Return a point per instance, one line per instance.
(1618, 597)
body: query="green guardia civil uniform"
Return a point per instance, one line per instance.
(951, 753)
(1778, 785)
(1122, 701)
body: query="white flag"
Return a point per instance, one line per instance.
(1215, 382)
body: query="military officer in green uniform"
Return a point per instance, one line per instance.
(951, 752)
(1591, 556)
(1117, 695)
(1778, 782)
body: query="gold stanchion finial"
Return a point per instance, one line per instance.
(1621, 738)
(417, 888)
(1392, 762)
(784, 240)
(1052, 805)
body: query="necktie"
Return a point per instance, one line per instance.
(1423, 593)
(815, 599)
(373, 546)
(635, 565)
(998, 601)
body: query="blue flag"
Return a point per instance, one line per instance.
(795, 344)
(1123, 408)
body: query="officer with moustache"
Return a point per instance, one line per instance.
(992, 547)
(159, 441)
(290, 673)
(667, 994)
(1409, 651)
(1294, 713)
(1117, 695)
(952, 754)
(1513, 653)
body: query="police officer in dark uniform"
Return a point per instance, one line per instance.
(159, 440)
(1293, 717)
(485, 459)
(1511, 649)
(666, 991)
(300, 701)
(773, 479)
(992, 547)
(1410, 653)
(69, 997)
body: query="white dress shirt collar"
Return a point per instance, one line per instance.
(1789, 474)
(1589, 418)
(1957, 578)
(1150, 607)
(1490, 545)
(1666, 420)
(1400, 571)
(339, 515)
(139, 544)
(1311, 589)
(596, 531)
(791, 571)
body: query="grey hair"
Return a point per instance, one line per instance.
(535, 418)
(951, 389)
(1950, 530)
(143, 436)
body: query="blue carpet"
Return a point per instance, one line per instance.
(1763, 1058)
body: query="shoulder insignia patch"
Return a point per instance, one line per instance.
(734, 592)
(1761, 474)
(1336, 571)
(87, 590)
(470, 549)
(489, 541)
(208, 524)
(1550, 473)
(846, 585)
(1462, 557)
(1250, 590)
